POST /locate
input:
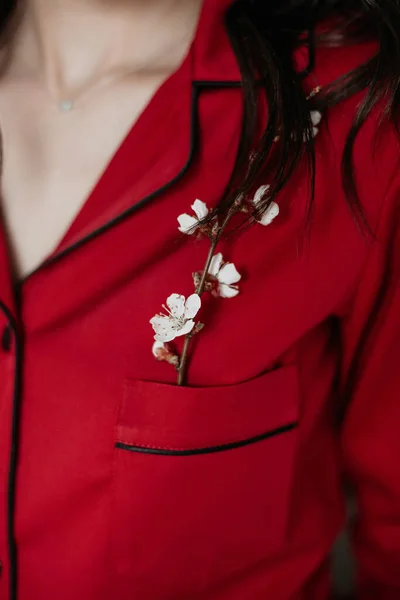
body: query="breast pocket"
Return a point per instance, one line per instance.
(202, 481)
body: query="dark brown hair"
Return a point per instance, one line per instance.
(264, 35)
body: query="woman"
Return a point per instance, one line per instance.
(208, 463)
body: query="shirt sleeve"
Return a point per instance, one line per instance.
(370, 432)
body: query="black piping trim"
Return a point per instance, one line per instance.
(218, 84)
(6, 339)
(211, 449)
(12, 547)
(197, 86)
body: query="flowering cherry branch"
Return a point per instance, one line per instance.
(202, 284)
(218, 277)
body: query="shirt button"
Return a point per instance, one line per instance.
(6, 338)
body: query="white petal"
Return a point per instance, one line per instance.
(176, 304)
(215, 264)
(186, 223)
(316, 117)
(192, 307)
(187, 328)
(226, 291)
(167, 336)
(229, 274)
(200, 208)
(163, 328)
(315, 131)
(260, 194)
(270, 215)
(160, 322)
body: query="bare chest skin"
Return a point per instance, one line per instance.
(52, 160)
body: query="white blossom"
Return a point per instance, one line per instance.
(226, 276)
(158, 350)
(316, 118)
(273, 209)
(189, 223)
(162, 352)
(179, 318)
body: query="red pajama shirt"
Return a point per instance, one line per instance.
(116, 483)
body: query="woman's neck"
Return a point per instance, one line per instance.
(67, 43)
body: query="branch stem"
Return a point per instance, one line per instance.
(182, 369)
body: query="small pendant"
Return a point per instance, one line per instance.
(66, 105)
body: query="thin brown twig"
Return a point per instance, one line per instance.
(182, 369)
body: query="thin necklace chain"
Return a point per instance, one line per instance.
(68, 103)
